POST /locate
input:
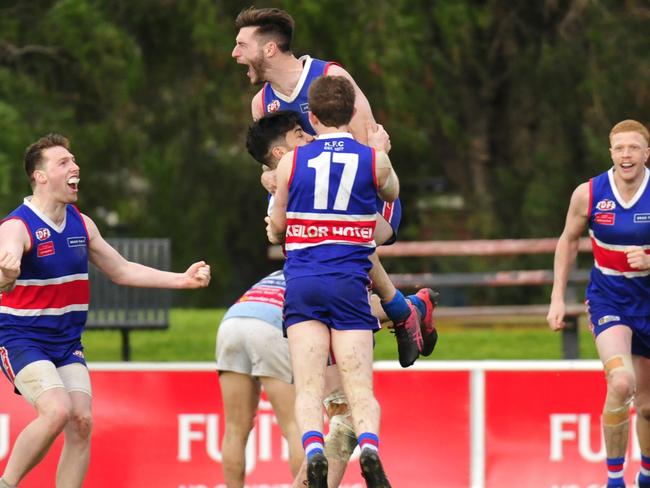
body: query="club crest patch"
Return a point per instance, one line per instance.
(42, 234)
(606, 205)
(274, 106)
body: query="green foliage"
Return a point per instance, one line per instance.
(507, 102)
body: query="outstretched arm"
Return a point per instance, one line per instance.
(566, 252)
(123, 272)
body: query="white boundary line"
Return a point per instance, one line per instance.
(487, 365)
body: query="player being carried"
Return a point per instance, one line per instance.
(263, 43)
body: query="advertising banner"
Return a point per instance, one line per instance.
(163, 428)
(543, 430)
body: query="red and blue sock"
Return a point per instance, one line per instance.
(313, 442)
(615, 472)
(368, 440)
(397, 309)
(644, 473)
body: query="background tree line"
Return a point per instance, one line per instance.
(497, 109)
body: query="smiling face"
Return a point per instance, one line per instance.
(58, 175)
(248, 50)
(629, 152)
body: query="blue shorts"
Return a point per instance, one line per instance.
(603, 316)
(16, 354)
(392, 213)
(341, 302)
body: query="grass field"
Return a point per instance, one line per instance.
(191, 337)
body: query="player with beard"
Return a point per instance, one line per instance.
(263, 44)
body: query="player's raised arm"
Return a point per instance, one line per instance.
(387, 181)
(362, 118)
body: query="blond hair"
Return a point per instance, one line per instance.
(630, 125)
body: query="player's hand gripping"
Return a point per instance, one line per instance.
(10, 269)
(269, 180)
(378, 138)
(555, 316)
(271, 234)
(198, 275)
(637, 258)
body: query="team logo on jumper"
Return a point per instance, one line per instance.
(273, 106)
(608, 318)
(77, 241)
(304, 108)
(45, 249)
(334, 145)
(643, 218)
(605, 218)
(605, 205)
(42, 233)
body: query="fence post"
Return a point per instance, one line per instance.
(570, 349)
(126, 346)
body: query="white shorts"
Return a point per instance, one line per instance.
(42, 375)
(251, 346)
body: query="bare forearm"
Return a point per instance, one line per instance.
(140, 276)
(565, 255)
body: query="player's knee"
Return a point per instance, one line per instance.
(620, 385)
(82, 424)
(241, 428)
(620, 379)
(56, 416)
(643, 411)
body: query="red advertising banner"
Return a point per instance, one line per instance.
(543, 430)
(161, 426)
(444, 424)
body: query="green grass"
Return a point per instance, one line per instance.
(191, 337)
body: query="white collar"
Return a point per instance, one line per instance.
(59, 228)
(637, 195)
(306, 60)
(335, 135)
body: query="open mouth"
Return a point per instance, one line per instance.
(73, 183)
